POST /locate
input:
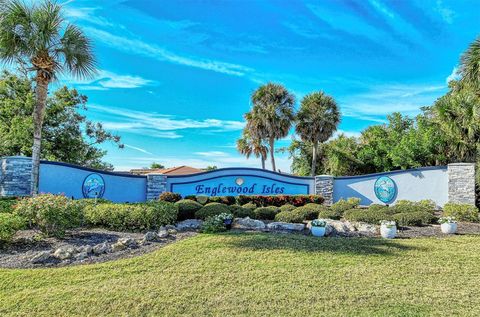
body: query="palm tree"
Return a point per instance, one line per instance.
(317, 119)
(38, 37)
(248, 145)
(470, 65)
(272, 114)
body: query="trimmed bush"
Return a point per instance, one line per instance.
(210, 210)
(327, 213)
(287, 207)
(343, 205)
(202, 199)
(170, 197)
(461, 212)
(133, 217)
(9, 224)
(227, 200)
(300, 214)
(241, 212)
(187, 209)
(415, 218)
(404, 206)
(52, 214)
(6, 204)
(266, 213)
(367, 215)
(250, 206)
(280, 200)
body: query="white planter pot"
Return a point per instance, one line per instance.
(388, 232)
(318, 231)
(448, 228)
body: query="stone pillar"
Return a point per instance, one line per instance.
(15, 176)
(461, 183)
(156, 184)
(324, 187)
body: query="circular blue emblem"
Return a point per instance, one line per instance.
(385, 189)
(93, 186)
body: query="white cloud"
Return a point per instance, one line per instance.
(453, 75)
(137, 148)
(212, 153)
(105, 80)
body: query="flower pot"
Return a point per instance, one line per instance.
(449, 227)
(318, 231)
(388, 232)
(228, 223)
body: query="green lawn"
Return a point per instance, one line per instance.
(263, 275)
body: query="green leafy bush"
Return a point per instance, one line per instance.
(327, 213)
(280, 200)
(415, 218)
(287, 207)
(216, 223)
(170, 197)
(141, 216)
(299, 214)
(227, 200)
(6, 205)
(202, 199)
(9, 224)
(210, 210)
(461, 212)
(266, 213)
(343, 205)
(367, 215)
(250, 206)
(241, 212)
(52, 214)
(404, 206)
(187, 208)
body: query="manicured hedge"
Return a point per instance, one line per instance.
(287, 207)
(461, 212)
(405, 206)
(52, 214)
(170, 197)
(227, 200)
(413, 218)
(266, 213)
(132, 217)
(280, 200)
(210, 210)
(9, 224)
(343, 205)
(300, 214)
(187, 209)
(367, 215)
(250, 206)
(6, 204)
(241, 212)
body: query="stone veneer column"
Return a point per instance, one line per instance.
(156, 184)
(324, 187)
(15, 176)
(461, 183)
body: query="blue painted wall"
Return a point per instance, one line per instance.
(240, 181)
(413, 184)
(57, 178)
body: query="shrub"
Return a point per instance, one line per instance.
(191, 197)
(343, 205)
(287, 207)
(216, 223)
(170, 197)
(366, 215)
(461, 212)
(187, 209)
(202, 199)
(241, 212)
(416, 218)
(266, 213)
(9, 224)
(403, 206)
(280, 200)
(327, 213)
(299, 214)
(210, 210)
(140, 216)
(6, 205)
(52, 214)
(227, 200)
(250, 206)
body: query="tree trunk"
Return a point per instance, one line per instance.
(38, 115)
(263, 162)
(314, 159)
(272, 155)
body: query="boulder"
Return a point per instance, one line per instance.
(118, 246)
(162, 233)
(366, 227)
(189, 224)
(128, 242)
(41, 257)
(81, 256)
(100, 248)
(150, 236)
(340, 226)
(85, 248)
(63, 253)
(286, 226)
(247, 223)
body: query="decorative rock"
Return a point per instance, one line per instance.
(340, 226)
(64, 253)
(366, 227)
(41, 257)
(118, 246)
(286, 226)
(100, 248)
(128, 242)
(81, 256)
(247, 223)
(85, 248)
(150, 236)
(162, 233)
(168, 227)
(189, 224)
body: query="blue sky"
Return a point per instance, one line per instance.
(176, 77)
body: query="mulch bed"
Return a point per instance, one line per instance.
(463, 228)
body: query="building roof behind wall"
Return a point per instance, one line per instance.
(177, 170)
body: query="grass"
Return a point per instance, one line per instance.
(262, 275)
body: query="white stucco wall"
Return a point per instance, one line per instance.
(415, 184)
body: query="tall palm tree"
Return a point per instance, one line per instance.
(272, 113)
(317, 120)
(470, 65)
(38, 37)
(248, 145)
